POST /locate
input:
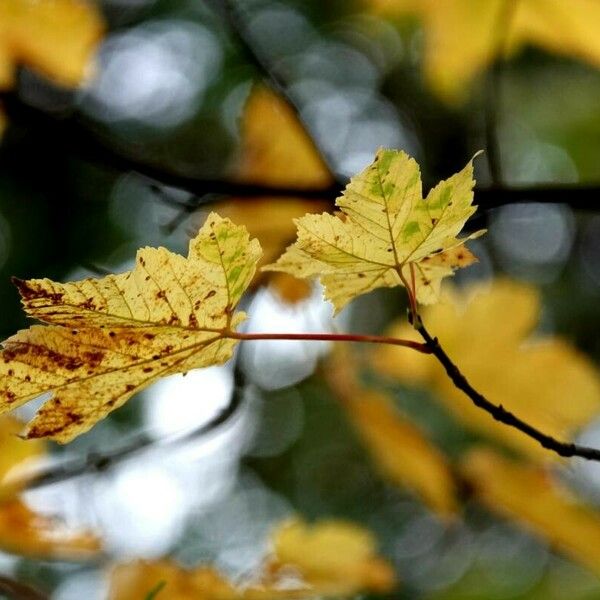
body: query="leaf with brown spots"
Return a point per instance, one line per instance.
(387, 234)
(109, 338)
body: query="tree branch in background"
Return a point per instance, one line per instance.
(16, 590)
(91, 147)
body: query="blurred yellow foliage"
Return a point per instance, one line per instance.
(23, 531)
(487, 333)
(275, 150)
(54, 37)
(531, 496)
(327, 559)
(399, 449)
(462, 37)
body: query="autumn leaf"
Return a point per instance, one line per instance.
(487, 333)
(109, 338)
(531, 496)
(54, 37)
(399, 449)
(462, 37)
(306, 562)
(275, 150)
(385, 233)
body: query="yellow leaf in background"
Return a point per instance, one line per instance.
(289, 289)
(530, 495)
(276, 150)
(398, 447)
(55, 37)
(23, 531)
(16, 454)
(112, 337)
(335, 558)
(387, 229)
(27, 533)
(462, 37)
(331, 559)
(486, 332)
(269, 220)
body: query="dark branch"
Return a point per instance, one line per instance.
(498, 412)
(90, 147)
(16, 590)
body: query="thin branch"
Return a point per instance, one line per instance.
(498, 412)
(332, 337)
(16, 590)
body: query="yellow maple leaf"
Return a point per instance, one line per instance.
(530, 495)
(387, 233)
(485, 332)
(399, 449)
(330, 558)
(54, 37)
(109, 338)
(463, 36)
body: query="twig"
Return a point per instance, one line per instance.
(19, 591)
(498, 412)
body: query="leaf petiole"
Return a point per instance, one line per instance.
(331, 337)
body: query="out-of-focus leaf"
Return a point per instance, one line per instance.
(398, 447)
(487, 333)
(55, 37)
(530, 495)
(25, 532)
(109, 338)
(275, 150)
(332, 559)
(335, 558)
(462, 37)
(15, 453)
(386, 231)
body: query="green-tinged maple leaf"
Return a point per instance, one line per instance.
(386, 232)
(109, 338)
